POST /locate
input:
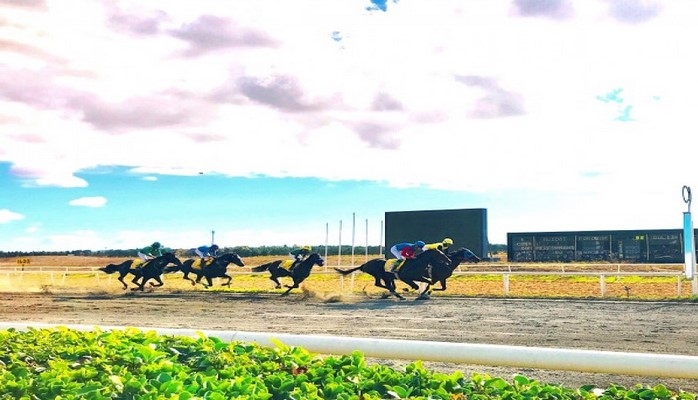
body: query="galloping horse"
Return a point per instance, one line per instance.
(217, 268)
(442, 271)
(299, 273)
(151, 269)
(412, 270)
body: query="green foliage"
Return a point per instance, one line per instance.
(60, 363)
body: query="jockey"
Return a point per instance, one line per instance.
(299, 254)
(150, 252)
(442, 246)
(205, 252)
(405, 250)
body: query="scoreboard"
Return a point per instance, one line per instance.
(467, 227)
(638, 246)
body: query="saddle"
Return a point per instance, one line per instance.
(390, 263)
(200, 264)
(286, 264)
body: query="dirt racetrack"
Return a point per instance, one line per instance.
(634, 326)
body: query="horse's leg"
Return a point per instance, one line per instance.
(135, 281)
(140, 286)
(443, 285)
(121, 279)
(230, 279)
(392, 286)
(411, 283)
(159, 280)
(277, 284)
(186, 276)
(379, 284)
(209, 281)
(290, 287)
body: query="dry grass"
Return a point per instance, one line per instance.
(332, 287)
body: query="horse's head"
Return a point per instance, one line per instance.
(436, 256)
(233, 258)
(465, 255)
(316, 259)
(171, 258)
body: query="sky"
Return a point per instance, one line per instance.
(303, 122)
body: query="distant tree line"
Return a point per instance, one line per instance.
(243, 251)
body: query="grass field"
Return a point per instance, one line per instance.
(325, 281)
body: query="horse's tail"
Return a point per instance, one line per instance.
(110, 269)
(262, 267)
(348, 271)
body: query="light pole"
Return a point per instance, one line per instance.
(689, 246)
(213, 235)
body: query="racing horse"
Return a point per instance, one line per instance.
(216, 268)
(299, 273)
(151, 269)
(442, 271)
(412, 270)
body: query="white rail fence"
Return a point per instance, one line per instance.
(58, 275)
(621, 363)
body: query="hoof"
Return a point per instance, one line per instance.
(277, 287)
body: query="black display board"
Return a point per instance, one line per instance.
(638, 246)
(467, 228)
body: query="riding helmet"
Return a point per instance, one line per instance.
(156, 245)
(447, 242)
(419, 243)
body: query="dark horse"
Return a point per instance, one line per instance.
(216, 268)
(299, 273)
(442, 271)
(413, 270)
(151, 269)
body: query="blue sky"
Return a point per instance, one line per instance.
(123, 122)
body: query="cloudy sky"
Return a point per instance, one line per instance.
(123, 122)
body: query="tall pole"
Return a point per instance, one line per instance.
(689, 245)
(213, 235)
(339, 248)
(353, 236)
(327, 236)
(380, 246)
(366, 240)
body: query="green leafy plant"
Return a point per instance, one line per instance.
(61, 363)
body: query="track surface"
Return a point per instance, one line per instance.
(653, 327)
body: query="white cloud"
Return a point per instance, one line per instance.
(490, 97)
(96, 201)
(9, 216)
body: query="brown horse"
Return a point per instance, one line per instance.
(216, 268)
(442, 271)
(151, 269)
(412, 270)
(299, 273)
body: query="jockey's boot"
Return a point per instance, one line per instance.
(393, 269)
